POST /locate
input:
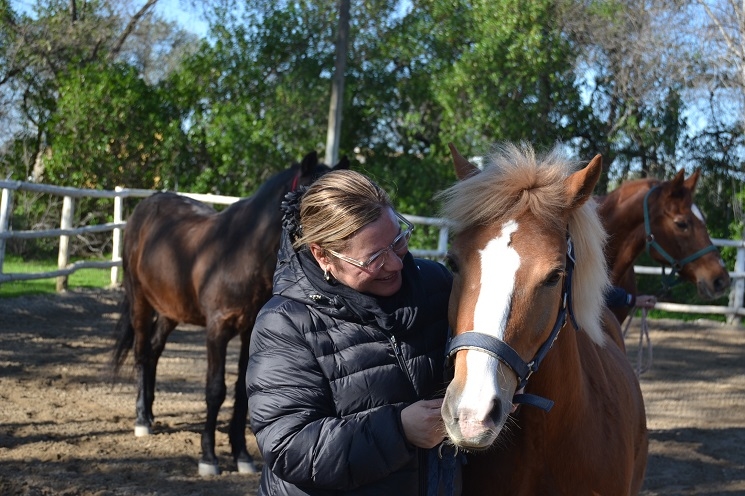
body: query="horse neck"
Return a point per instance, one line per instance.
(275, 188)
(622, 213)
(260, 212)
(561, 378)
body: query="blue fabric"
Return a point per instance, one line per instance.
(618, 297)
(443, 462)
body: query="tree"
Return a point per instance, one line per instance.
(256, 98)
(630, 61)
(513, 79)
(77, 111)
(718, 73)
(337, 88)
(111, 128)
(50, 48)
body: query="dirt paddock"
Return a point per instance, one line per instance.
(66, 430)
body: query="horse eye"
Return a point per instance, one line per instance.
(451, 264)
(681, 224)
(554, 278)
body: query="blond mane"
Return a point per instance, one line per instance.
(515, 180)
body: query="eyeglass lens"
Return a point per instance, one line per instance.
(402, 240)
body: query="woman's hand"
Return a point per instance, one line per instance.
(646, 301)
(422, 423)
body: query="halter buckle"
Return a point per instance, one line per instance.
(531, 369)
(440, 447)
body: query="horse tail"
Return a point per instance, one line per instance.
(125, 331)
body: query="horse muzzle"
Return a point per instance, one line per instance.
(475, 423)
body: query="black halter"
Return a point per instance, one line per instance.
(473, 340)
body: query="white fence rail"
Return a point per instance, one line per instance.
(733, 310)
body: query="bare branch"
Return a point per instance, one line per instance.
(130, 27)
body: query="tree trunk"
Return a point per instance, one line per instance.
(337, 87)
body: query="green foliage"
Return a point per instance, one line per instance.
(513, 79)
(109, 129)
(256, 98)
(717, 154)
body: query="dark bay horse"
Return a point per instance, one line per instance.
(660, 216)
(528, 262)
(186, 263)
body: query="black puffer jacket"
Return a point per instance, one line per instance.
(331, 369)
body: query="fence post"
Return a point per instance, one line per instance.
(68, 208)
(116, 244)
(737, 295)
(442, 242)
(4, 221)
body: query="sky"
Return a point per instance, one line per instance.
(180, 11)
(183, 13)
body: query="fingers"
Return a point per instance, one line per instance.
(422, 423)
(435, 403)
(646, 301)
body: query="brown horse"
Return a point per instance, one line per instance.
(528, 262)
(660, 216)
(186, 263)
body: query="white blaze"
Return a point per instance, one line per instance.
(697, 212)
(499, 264)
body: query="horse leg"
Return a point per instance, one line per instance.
(240, 411)
(163, 327)
(215, 392)
(142, 321)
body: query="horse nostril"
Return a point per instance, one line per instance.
(495, 414)
(720, 284)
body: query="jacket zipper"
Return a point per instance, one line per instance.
(421, 454)
(400, 358)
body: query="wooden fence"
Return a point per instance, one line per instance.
(733, 310)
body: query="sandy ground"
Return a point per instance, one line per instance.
(66, 430)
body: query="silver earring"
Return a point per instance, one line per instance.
(327, 275)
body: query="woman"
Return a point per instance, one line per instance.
(347, 357)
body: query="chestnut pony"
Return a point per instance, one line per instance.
(660, 216)
(186, 263)
(528, 262)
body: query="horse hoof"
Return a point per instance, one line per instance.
(143, 430)
(246, 467)
(206, 469)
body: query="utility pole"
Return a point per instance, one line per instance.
(337, 86)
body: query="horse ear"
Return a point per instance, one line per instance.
(679, 179)
(690, 183)
(463, 168)
(579, 185)
(309, 162)
(343, 164)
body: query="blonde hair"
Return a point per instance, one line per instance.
(336, 206)
(516, 180)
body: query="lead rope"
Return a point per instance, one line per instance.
(643, 335)
(442, 465)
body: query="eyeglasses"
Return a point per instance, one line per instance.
(378, 259)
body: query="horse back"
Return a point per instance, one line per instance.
(195, 265)
(165, 235)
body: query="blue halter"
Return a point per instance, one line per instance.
(503, 352)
